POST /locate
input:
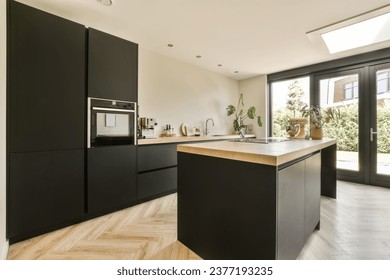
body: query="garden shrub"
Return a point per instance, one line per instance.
(345, 129)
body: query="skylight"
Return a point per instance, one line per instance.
(360, 34)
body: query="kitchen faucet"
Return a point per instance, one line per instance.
(212, 121)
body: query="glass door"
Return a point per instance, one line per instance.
(342, 91)
(362, 127)
(379, 131)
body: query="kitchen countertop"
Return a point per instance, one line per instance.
(183, 139)
(269, 154)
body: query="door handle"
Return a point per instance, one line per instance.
(372, 132)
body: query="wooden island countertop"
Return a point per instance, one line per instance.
(274, 154)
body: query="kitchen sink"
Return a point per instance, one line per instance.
(261, 140)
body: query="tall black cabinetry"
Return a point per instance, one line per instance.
(112, 170)
(112, 67)
(46, 121)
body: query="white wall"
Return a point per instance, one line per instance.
(175, 92)
(255, 94)
(3, 241)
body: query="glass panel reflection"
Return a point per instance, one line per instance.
(383, 121)
(342, 93)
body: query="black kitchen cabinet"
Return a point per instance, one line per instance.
(112, 178)
(298, 195)
(329, 171)
(112, 67)
(312, 193)
(47, 191)
(151, 157)
(226, 208)
(157, 182)
(231, 209)
(47, 81)
(290, 211)
(46, 122)
(157, 170)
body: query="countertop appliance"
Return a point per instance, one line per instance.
(111, 122)
(147, 128)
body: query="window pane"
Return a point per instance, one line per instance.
(344, 129)
(356, 92)
(382, 86)
(348, 93)
(382, 76)
(287, 97)
(383, 124)
(347, 86)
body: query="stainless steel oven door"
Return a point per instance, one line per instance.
(115, 125)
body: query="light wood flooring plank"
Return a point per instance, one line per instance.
(355, 226)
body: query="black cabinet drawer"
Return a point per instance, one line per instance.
(112, 67)
(156, 157)
(112, 178)
(46, 190)
(157, 182)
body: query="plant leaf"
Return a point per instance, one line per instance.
(236, 125)
(259, 122)
(230, 110)
(251, 112)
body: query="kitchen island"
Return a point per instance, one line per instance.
(240, 200)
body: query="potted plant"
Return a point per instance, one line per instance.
(240, 115)
(318, 117)
(296, 127)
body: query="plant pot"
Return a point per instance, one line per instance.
(316, 133)
(302, 122)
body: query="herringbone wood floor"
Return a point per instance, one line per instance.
(355, 226)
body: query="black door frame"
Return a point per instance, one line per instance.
(374, 178)
(365, 63)
(344, 174)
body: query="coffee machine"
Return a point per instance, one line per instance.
(147, 128)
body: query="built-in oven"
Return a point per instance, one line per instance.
(111, 122)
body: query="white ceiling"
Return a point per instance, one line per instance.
(253, 37)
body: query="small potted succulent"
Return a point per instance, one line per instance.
(240, 115)
(318, 117)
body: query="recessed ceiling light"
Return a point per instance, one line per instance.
(236, 72)
(198, 56)
(219, 65)
(170, 45)
(105, 2)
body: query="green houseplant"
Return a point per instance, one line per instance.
(240, 114)
(319, 117)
